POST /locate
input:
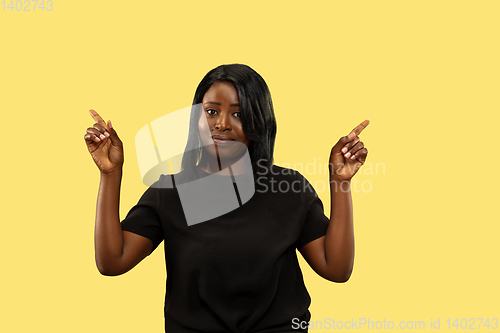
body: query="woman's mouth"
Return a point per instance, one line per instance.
(222, 139)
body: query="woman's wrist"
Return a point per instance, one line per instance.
(340, 185)
(113, 174)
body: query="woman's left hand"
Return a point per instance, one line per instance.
(348, 155)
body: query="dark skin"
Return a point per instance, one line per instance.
(332, 256)
(118, 251)
(221, 129)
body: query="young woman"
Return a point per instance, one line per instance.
(237, 271)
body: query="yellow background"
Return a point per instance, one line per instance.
(426, 73)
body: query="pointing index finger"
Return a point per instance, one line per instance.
(358, 129)
(97, 117)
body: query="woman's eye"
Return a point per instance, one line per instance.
(211, 112)
(237, 114)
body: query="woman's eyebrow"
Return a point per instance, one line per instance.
(217, 103)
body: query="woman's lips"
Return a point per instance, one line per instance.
(222, 141)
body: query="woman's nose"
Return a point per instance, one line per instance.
(223, 123)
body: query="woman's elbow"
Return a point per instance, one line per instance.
(339, 277)
(106, 270)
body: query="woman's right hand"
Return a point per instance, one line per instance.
(104, 145)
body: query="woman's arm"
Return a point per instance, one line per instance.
(332, 256)
(116, 251)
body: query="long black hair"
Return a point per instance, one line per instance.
(257, 115)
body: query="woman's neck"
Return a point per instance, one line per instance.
(238, 167)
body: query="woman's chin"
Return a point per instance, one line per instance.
(227, 154)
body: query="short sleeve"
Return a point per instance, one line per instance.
(316, 222)
(143, 218)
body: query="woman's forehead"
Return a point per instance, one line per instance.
(221, 92)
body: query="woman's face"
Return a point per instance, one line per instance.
(220, 125)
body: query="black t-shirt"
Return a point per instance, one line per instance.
(237, 272)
